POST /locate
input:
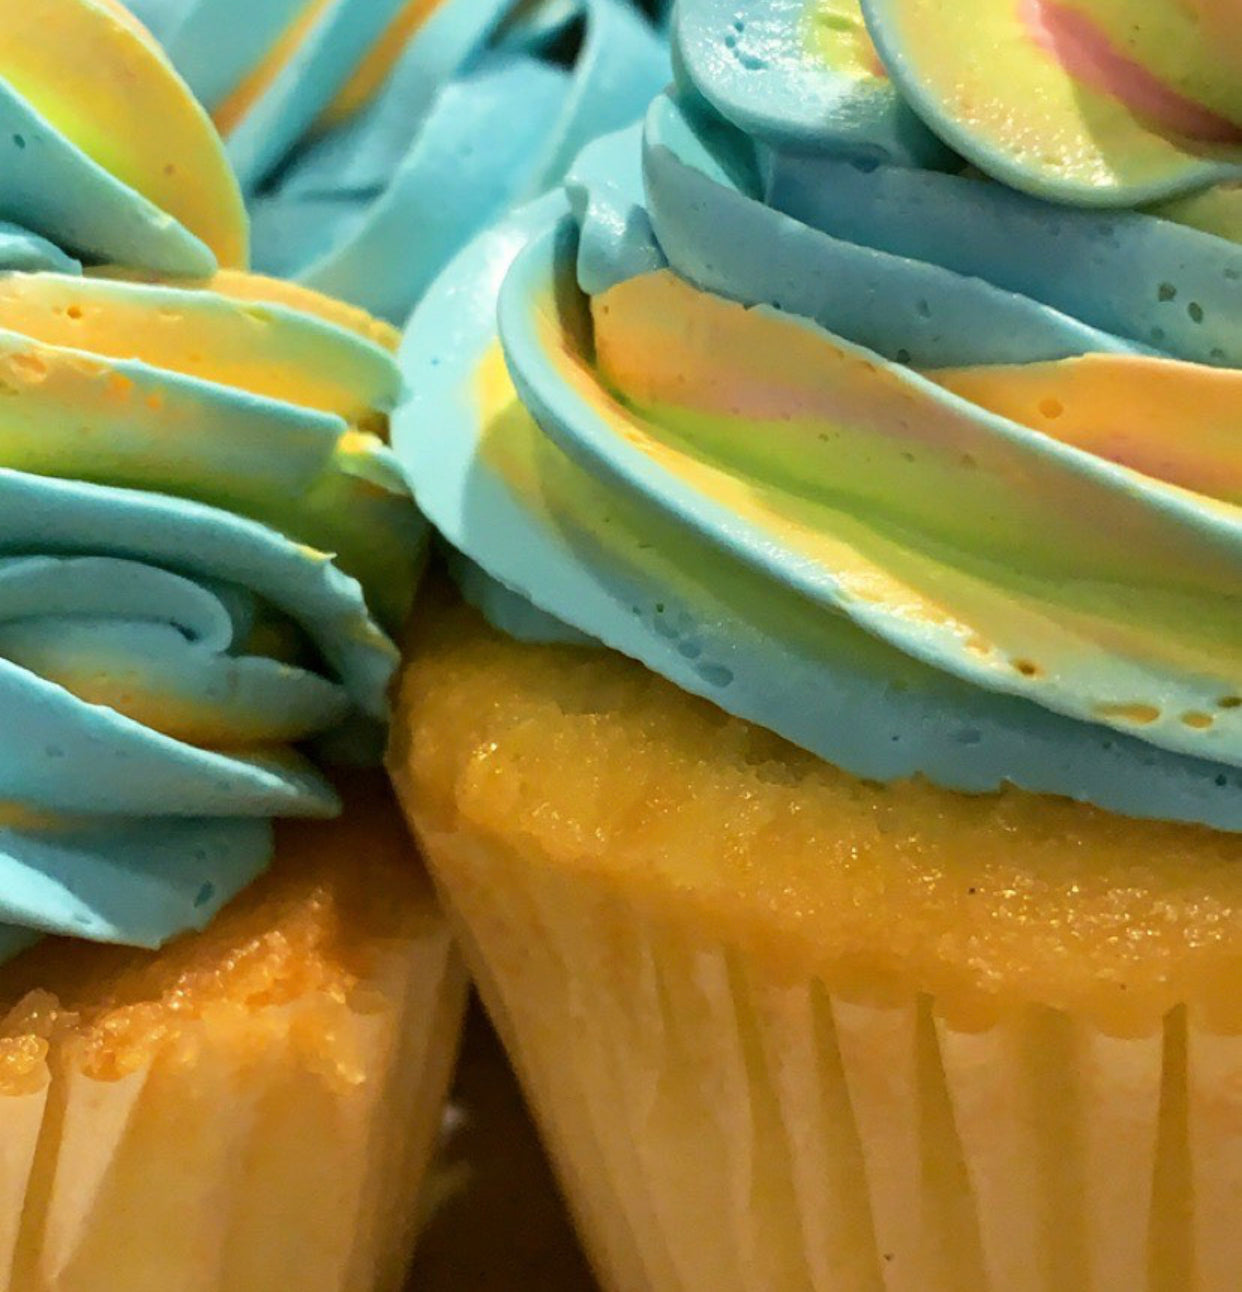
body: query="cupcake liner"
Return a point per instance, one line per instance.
(21, 1116)
(256, 1148)
(718, 1125)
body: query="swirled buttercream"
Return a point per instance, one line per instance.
(375, 137)
(802, 417)
(105, 152)
(1102, 102)
(204, 544)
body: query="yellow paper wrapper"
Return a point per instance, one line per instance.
(785, 1031)
(251, 1109)
(718, 1128)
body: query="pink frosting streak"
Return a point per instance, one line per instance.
(1089, 56)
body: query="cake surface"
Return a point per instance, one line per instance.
(582, 760)
(251, 1107)
(311, 927)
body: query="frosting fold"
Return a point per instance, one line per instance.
(992, 553)
(1095, 102)
(105, 150)
(203, 539)
(806, 423)
(353, 122)
(800, 76)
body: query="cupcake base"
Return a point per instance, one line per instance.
(251, 1108)
(753, 1099)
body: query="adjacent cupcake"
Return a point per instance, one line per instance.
(205, 550)
(840, 810)
(375, 138)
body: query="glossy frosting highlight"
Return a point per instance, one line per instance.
(1133, 103)
(812, 430)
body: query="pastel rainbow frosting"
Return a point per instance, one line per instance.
(374, 138)
(929, 471)
(1136, 101)
(205, 542)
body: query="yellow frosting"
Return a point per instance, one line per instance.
(102, 82)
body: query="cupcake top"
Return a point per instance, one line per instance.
(374, 138)
(205, 542)
(863, 391)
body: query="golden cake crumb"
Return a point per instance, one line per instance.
(582, 762)
(311, 926)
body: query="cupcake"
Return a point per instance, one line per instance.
(229, 1002)
(832, 763)
(374, 138)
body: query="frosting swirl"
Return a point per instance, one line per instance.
(202, 541)
(205, 542)
(374, 138)
(104, 151)
(804, 421)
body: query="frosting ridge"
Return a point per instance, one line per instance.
(106, 152)
(204, 546)
(753, 414)
(351, 122)
(1122, 91)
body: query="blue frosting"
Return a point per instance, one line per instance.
(164, 655)
(148, 834)
(27, 252)
(53, 187)
(906, 309)
(127, 882)
(636, 577)
(1125, 272)
(197, 578)
(506, 610)
(750, 59)
(485, 107)
(212, 45)
(304, 87)
(616, 239)
(479, 152)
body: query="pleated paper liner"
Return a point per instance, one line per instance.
(1029, 1089)
(251, 1109)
